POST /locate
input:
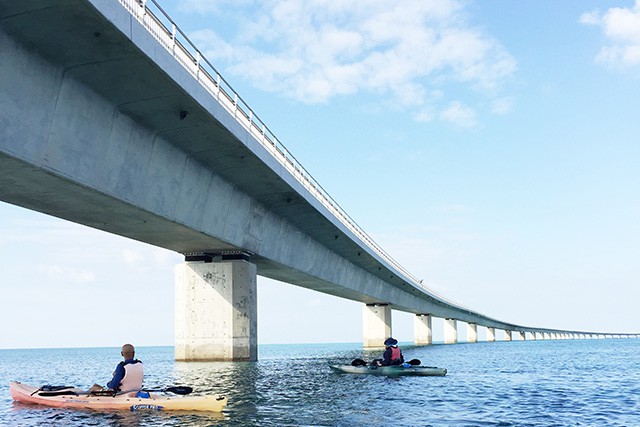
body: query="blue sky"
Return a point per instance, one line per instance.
(492, 148)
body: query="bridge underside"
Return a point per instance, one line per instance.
(101, 126)
(92, 133)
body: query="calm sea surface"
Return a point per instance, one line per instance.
(542, 383)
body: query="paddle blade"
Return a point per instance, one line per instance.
(414, 362)
(182, 390)
(358, 362)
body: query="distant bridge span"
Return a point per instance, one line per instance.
(111, 118)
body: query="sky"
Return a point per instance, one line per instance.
(490, 147)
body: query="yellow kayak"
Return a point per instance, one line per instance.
(70, 397)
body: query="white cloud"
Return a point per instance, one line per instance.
(216, 47)
(459, 114)
(621, 26)
(315, 50)
(423, 115)
(502, 106)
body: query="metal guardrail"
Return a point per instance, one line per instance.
(159, 24)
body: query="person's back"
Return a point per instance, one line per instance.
(128, 375)
(392, 354)
(132, 377)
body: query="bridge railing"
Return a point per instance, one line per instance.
(159, 24)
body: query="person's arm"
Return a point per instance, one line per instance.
(118, 375)
(386, 357)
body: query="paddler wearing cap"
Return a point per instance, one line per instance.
(392, 354)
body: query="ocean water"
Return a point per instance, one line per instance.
(520, 383)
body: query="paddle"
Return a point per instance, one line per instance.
(181, 390)
(49, 390)
(360, 362)
(55, 390)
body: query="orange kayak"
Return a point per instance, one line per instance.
(76, 398)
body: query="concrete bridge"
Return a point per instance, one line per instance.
(110, 117)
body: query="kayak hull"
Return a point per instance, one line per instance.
(80, 400)
(392, 371)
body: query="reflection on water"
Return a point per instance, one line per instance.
(518, 384)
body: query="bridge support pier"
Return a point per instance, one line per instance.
(450, 331)
(216, 311)
(507, 335)
(491, 334)
(472, 332)
(376, 324)
(422, 329)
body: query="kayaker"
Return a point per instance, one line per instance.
(128, 375)
(392, 354)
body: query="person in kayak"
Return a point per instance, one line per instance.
(392, 354)
(128, 375)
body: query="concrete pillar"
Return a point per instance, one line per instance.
(422, 329)
(376, 324)
(491, 334)
(523, 335)
(472, 332)
(507, 335)
(450, 331)
(216, 311)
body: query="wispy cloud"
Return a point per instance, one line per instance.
(56, 272)
(206, 6)
(621, 27)
(460, 114)
(502, 106)
(313, 51)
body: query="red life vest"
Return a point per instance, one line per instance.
(396, 354)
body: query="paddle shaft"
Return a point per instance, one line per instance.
(182, 390)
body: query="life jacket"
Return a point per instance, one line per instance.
(133, 375)
(396, 354)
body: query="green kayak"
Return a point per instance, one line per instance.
(424, 371)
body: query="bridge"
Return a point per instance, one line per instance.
(113, 119)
